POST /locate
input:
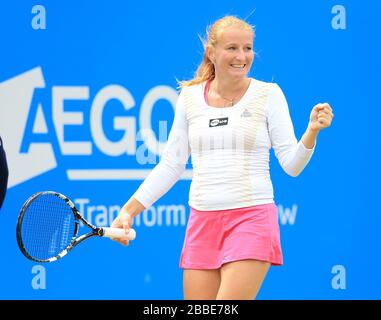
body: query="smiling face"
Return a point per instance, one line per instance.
(233, 54)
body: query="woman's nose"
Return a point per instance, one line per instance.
(240, 54)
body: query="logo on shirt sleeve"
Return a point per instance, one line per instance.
(218, 122)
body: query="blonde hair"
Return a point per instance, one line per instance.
(205, 70)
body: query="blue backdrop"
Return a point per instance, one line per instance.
(80, 80)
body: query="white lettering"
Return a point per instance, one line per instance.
(62, 118)
(287, 215)
(154, 95)
(149, 217)
(126, 145)
(39, 125)
(89, 213)
(171, 311)
(101, 218)
(103, 215)
(80, 203)
(113, 212)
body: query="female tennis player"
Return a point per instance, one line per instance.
(228, 122)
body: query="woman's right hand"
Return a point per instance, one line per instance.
(122, 221)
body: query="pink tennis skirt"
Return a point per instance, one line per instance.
(216, 237)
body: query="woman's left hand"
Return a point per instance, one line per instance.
(321, 117)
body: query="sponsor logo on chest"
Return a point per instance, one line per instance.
(218, 122)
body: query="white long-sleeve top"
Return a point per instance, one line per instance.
(229, 148)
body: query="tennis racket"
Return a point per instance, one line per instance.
(47, 227)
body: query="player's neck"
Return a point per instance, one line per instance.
(229, 88)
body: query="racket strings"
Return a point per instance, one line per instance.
(48, 227)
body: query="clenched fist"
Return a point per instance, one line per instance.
(321, 117)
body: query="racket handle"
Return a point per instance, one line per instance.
(119, 233)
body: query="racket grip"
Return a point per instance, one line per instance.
(119, 233)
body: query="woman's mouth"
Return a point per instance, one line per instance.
(238, 66)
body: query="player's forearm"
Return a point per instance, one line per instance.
(133, 207)
(309, 138)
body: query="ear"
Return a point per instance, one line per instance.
(209, 51)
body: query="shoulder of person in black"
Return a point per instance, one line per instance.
(3, 173)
